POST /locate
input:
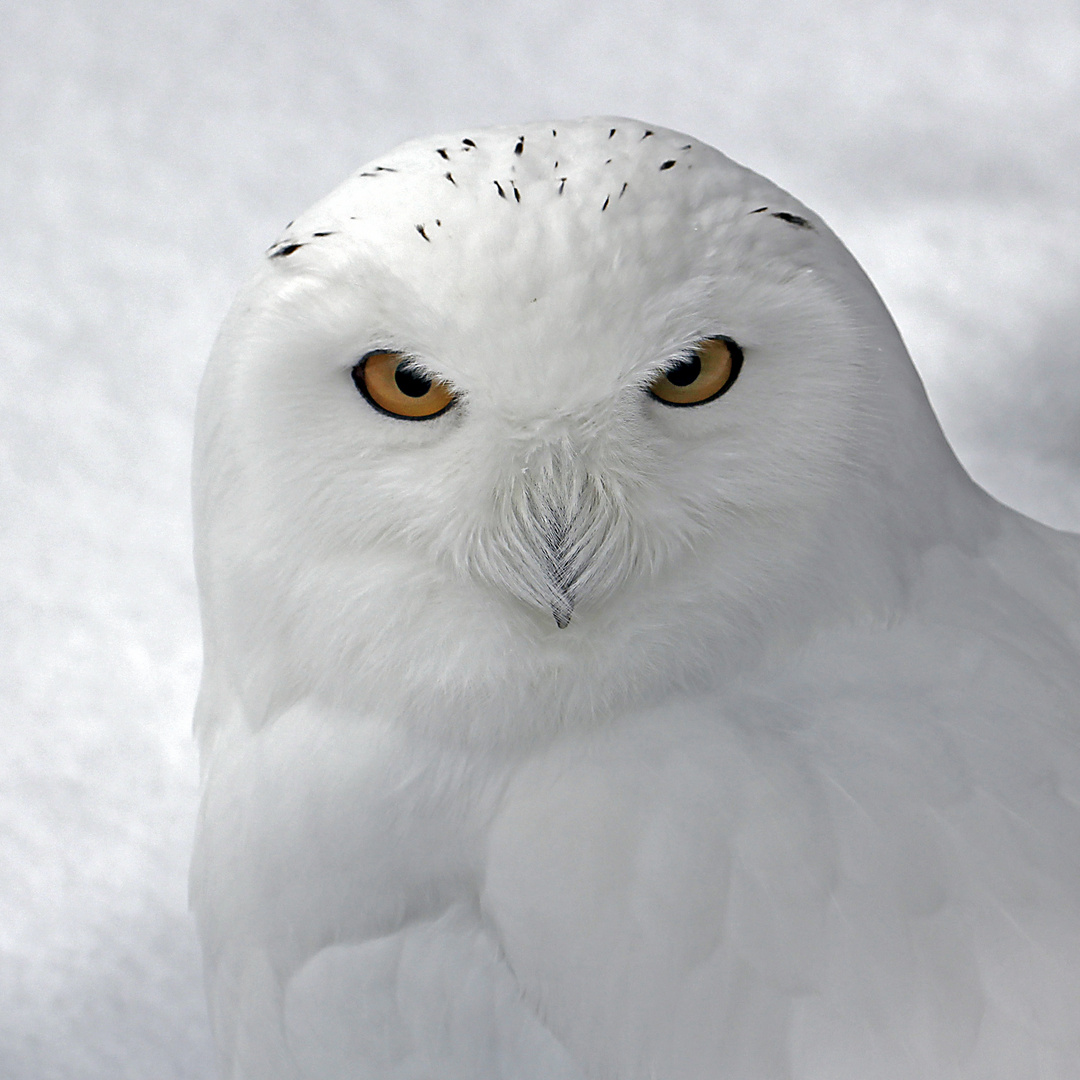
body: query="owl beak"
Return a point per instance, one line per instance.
(559, 571)
(554, 524)
(563, 611)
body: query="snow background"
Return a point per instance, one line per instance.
(152, 151)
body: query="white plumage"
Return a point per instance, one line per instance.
(572, 733)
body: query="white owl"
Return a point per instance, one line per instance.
(610, 671)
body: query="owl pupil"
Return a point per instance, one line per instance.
(685, 373)
(410, 383)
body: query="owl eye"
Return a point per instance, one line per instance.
(393, 384)
(702, 374)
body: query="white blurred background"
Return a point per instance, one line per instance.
(151, 151)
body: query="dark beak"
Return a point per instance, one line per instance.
(562, 612)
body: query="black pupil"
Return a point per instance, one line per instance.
(410, 383)
(685, 373)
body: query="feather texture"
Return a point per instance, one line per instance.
(569, 734)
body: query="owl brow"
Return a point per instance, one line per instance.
(417, 365)
(660, 367)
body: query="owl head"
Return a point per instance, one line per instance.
(521, 425)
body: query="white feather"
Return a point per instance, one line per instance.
(794, 795)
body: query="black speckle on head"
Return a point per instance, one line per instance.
(520, 148)
(562, 183)
(420, 230)
(759, 210)
(450, 177)
(443, 154)
(608, 162)
(289, 226)
(384, 168)
(367, 174)
(605, 206)
(438, 222)
(793, 219)
(469, 143)
(554, 133)
(556, 166)
(322, 234)
(611, 132)
(284, 250)
(623, 191)
(646, 135)
(517, 194)
(689, 146)
(668, 164)
(499, 187)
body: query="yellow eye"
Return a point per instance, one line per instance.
(394, 385)
(704, 373)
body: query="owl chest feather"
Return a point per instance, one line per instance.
(702, 883)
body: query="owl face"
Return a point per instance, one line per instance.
(512, 406)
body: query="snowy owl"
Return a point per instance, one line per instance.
(610, 672)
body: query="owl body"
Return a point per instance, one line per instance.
(567, 731)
